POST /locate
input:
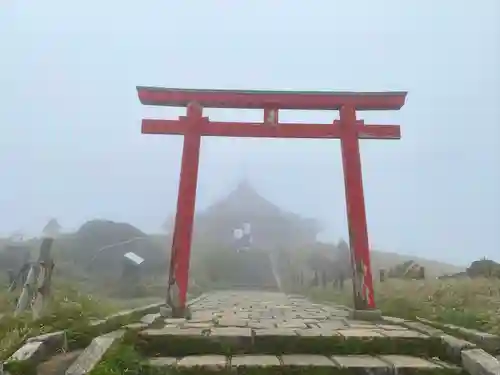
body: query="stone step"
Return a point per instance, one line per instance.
(300, 364)
(176, 340)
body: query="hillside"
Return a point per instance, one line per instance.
(73, 251)
(385, 260)
(330, 256)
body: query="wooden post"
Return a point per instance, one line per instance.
(186, 201)
(356, 215)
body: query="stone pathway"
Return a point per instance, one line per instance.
(273, 332)
(244, 332)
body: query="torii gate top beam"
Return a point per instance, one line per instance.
(257, 99)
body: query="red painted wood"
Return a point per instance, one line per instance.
(281, 130)
(356, 215)
(271, 116)
(279, 99)
(186, 201)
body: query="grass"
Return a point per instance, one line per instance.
(72, 311)
(68, 309)
(469, 303)
(123, 359)
(464, 302)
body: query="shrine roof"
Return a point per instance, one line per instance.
(304, 100)
(244, 199)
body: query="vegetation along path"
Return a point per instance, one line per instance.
(250, 332)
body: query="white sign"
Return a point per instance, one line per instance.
(134, 258)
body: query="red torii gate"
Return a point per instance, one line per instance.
(348, 129)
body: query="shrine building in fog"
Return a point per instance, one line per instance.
(243, 209)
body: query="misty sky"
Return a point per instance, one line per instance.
(71, 146)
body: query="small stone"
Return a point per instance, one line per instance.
(306, 360)
(478, 362)
(363, 364)
(404, 334)
(454, 346)
(204, 362)
(259, 361)
(361, 333)
(232, 322)
(34, 351)
(166, 312)
(162, 362)
(404, 364)
(150, 318)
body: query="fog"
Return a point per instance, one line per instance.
(71, 146)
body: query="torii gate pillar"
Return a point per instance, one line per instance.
(348, 129)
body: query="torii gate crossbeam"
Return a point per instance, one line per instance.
(348, 129)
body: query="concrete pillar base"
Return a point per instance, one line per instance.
(368, 315)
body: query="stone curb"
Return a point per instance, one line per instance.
(37, 349)
(453, 345)
(478, 362)
(487, 341)
(94, 353)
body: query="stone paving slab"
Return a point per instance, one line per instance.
(249, 322)
(302, 364)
